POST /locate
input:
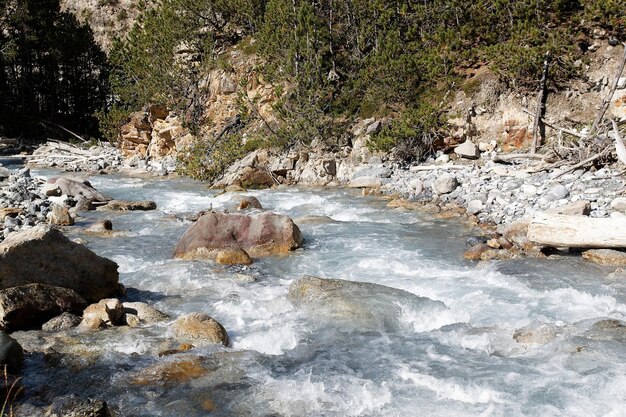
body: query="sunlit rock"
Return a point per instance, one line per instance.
(263, 234)
(44, 255)
(199, 328)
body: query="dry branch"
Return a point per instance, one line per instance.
(609, 97)
(584, 162)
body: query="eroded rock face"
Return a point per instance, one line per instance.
(199, 328)
(361, 305)
(44, 255)
(29, 306)
(263, 234)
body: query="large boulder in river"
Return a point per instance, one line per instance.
(73, 188)
(263, 234)
(44, 255)
(29, 306)
(363, 305)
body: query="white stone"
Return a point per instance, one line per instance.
(467, 150)
(528, 189)
(474, 206)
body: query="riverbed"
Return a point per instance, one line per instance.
(462, 360)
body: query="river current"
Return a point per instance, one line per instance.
(459, 361)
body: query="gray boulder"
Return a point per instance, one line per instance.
(445, 184)
(63, 322)
(144, 312)
(557, 192)
(44, 255)
(73, 188)
(467, 150)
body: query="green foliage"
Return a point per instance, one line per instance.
(360, 57)
(207, 160)
(111, 121)
(608, 14)
(414, 136)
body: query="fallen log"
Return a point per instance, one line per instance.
(559, 230)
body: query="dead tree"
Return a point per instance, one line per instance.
(539, 128)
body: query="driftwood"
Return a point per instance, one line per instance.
(559, 230)
(511, 156)
(609, 97)
(66, 130)
(539, 129)
(435, 167)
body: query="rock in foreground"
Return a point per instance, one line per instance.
(44, 255)
(29, 306)
(263, 234)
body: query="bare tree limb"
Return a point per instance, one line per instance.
(609, 97)
(65, 130)
(509, 157)
(553, 126)
(583, 162)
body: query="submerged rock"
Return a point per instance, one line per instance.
(29, 306)
(361, 304)
(263, 234)
(44, 255)
(249, 202)
(536, 334)
(177, 371)
(75, 406)
(199, 328)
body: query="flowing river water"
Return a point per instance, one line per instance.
(414, 358)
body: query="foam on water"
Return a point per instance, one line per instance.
(450, 390)
(450, 352)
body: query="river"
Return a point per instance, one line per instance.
(458, 361)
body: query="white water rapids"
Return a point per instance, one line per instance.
(460, 360)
